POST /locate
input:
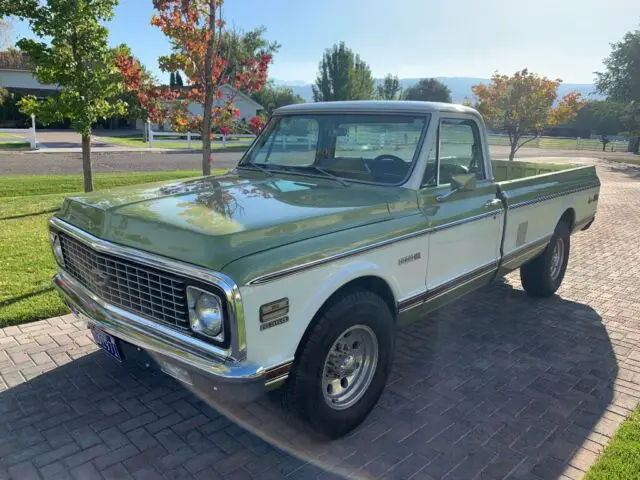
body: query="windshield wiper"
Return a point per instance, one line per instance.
(255, 166)
(330, 175)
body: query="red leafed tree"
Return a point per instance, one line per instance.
(256, 124)
(152, 101)
(211, 58)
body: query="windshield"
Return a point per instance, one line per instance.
(376, 148)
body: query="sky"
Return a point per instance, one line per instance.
(564, 39)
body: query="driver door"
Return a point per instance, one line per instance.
(464, 246)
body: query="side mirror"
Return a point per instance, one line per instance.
(464, 182)
(340, 132)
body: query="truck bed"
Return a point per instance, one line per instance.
(504, 170)
(537, 195)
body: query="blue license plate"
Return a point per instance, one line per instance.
(107, 343)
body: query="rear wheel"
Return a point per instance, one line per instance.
(542, 276)
(342, 369)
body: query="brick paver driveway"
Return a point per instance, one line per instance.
(498, 385)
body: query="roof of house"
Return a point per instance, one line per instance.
(14, 60)
(229, 90)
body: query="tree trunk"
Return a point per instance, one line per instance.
(512, 152)
(208, 91)
(86, 163)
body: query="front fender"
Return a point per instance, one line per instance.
(307, 293)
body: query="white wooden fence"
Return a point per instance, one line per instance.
(188, 137)
(31, 132)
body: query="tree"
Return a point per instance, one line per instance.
(389, 89)
(523, 104)
(140, 93)
(197, 33)
(621, 81)
(179, 82)
(273, 96)
(599, 116)
(77, 59)
(172, 80)
(342, 75)
(428, 90)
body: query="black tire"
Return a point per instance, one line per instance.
(539, 277)
(304, 390)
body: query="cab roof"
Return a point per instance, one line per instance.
(378, 106)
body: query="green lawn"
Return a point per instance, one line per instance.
(621, 458)
(138, 142)
(14, 142)
(14, 145)
(26, 263)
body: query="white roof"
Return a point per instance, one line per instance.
(380, 106)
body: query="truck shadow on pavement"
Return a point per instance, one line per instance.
(496, 385)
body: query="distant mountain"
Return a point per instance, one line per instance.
(460, 87)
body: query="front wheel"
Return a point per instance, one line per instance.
(542, 276)
(344, 363)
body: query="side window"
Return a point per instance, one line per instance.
(459, 151)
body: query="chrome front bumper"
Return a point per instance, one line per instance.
(229, 379)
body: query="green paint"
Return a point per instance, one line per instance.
(247, 224)
(557, 182)
(213, 221)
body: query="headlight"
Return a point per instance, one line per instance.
(57, 248)
(206, 315)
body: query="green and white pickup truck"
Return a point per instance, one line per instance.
(342, 221)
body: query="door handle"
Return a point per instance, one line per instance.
(494, 202)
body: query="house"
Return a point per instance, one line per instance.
(247, 106)
(16, 76)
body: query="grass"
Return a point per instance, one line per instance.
(138, 142)
(14, 145)
(26, 262)
(621, 458)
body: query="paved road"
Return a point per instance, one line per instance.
(38, 163)
(498, 385)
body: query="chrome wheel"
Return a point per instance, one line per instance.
(349, 367)
(557, 259)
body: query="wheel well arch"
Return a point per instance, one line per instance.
(568, 217)
(371, 283)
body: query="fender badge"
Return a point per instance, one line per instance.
(274, 323)
(409, 258)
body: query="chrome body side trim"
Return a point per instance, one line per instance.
(231, 291)
(184, 350)
(357, 251)
(447, 287)
(529, 249)
(462, 221)
(544, 198)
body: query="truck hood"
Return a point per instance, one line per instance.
(212, 221)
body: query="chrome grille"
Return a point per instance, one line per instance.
(129, 285)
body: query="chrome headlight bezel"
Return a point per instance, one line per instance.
(214, 326)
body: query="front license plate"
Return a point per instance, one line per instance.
(107, 343)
